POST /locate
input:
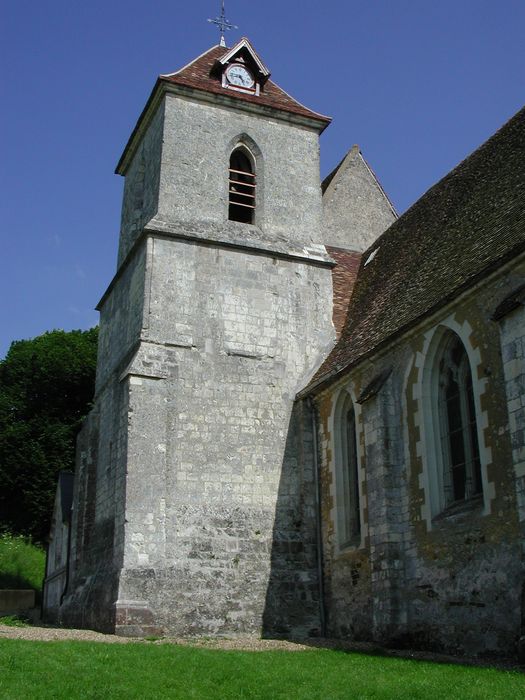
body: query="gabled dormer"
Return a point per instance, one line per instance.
(241, 69)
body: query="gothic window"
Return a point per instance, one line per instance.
(241, 188)
(347, 474)
(461, 478)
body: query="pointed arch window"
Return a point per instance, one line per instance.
(347, 475)
(457, 420)
(241, 186)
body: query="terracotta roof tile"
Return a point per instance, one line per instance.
(344, 275)
(199, 76)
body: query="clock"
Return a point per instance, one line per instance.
(239, 76)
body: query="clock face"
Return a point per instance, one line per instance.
(239, 76)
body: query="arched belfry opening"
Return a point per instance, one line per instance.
(241, 186)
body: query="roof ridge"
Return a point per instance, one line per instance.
(246, 44)
(318, 114)
(169, 75)
(475, 153)
(327, 181)
(379, 185)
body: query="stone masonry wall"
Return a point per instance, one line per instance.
(56, 562)
(450, 581)
(121, 321)
(195, 494)
(356, 210)
(220, 523)
(99, 492)
(198, 140)
(513, 354)
(141, 186)
(347, 574)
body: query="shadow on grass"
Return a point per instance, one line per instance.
(373, 649)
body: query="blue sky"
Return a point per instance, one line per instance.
(417, 84)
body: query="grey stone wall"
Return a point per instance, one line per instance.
(97, 542)
(141, 185)
(56, 562)
(387, 508)
(198, 140)
(450, 581)
(513, 355)
(121, 321)
(356, 210)
(194, 494)
(218, 523)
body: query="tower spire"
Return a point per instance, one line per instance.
(223, 24)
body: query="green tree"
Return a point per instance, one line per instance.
(46, 388)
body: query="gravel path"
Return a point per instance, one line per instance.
(49, 634)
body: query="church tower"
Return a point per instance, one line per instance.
(194, 505)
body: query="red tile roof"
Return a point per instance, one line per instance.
(344, 275)
(199, 75)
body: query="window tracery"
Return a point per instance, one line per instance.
(457, 421)
(347, 474)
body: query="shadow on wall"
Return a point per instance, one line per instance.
(292, 607)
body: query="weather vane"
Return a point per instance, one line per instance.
(223, 24)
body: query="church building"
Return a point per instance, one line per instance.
(309, 417)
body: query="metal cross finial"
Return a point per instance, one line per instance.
(223, 24)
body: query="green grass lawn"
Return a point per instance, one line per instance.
(40, 670)
(21, 563)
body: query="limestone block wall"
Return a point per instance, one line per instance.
(513, 354)
(387, 507)
(220, 517)
(97, 540)
(356, 210)
(198, 140)
(98, 514)
(121, 320)
(348, 597)
(450, 580)
(195, 497)
(141, 185)
(365, 581)
(56, 562)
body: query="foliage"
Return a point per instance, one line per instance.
(46, 386)
(97, 670)
(14, 621)
(21, 563)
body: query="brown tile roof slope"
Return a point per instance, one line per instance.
(467, 224)
(198, 75)
(344, 275)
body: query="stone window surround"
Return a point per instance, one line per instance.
(462, 375)
(427, 418)
(242, 189)
(246, 143)
(334, 426)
